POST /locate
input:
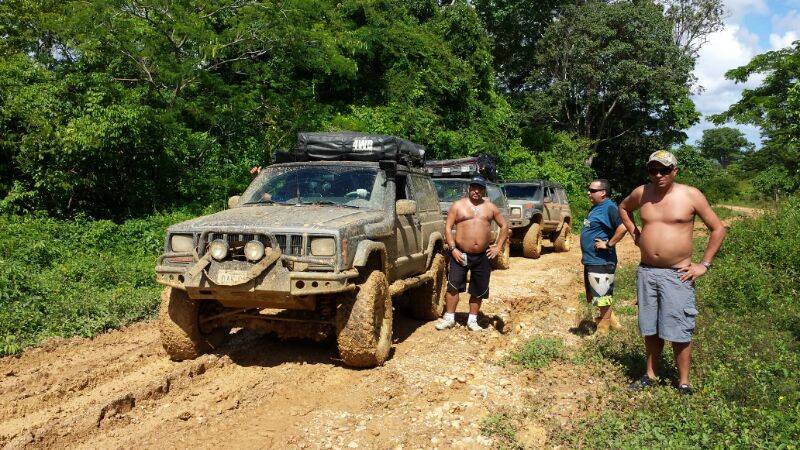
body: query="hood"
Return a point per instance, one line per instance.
(279, 217)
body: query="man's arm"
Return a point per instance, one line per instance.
(452, 214)
(718, 231)
(502, 235)
(626, 209)
(619, 233)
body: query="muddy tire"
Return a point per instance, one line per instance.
(427, 301)
(532, 242)
(178, 321)
(562, 242)
(364, 323)
(503, 259)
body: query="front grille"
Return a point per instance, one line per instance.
(290, 244)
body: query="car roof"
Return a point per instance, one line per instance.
(534, 182)
(463, 179)
(400, 167)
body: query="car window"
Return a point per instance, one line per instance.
(496, 196)
(427, 198)
(523, 192)
(450, 190)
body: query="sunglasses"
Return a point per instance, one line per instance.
(660, 170)
(595, 190)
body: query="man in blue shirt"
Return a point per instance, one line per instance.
(602, 229)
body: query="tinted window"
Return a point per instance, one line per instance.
(524, 192)
(425, 194)
(450, 190)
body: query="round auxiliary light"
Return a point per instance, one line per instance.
(218, 249)
(254, 250)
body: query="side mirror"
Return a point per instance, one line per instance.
(404, 207)
(233, 201)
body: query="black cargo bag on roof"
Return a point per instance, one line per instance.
(351, 146)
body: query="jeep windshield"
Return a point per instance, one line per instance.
(450, 190)
(338, 185)
(523, 192)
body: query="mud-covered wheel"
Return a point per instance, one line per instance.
(178, 321)
(562, 243)
(532, 242)
(427, 301)
(503, 259)
(364, 323)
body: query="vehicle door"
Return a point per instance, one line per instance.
(552, 210)
(428, 212)
(408, 229)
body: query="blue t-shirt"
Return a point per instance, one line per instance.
(602, 222)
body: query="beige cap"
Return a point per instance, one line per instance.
(664, 157)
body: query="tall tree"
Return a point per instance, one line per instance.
(773, 106)
(610, 72)
(516, 26)
(694, 21)
(724, 144)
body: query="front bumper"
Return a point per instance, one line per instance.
(230, 282)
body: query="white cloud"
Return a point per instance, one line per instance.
(788, 22)
(782, 41)
(737, 9)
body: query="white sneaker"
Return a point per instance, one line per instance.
(473, 326)
(445, 324)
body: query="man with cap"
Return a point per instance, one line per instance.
(665, 278)
(471, 251)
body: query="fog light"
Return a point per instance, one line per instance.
(254, 250)
(218, 249)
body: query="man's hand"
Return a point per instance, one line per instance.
(636, 235)
(492, 251)
(600, 244)
(692, 271)
(255, 170)
(456, 254)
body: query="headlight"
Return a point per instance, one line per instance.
(528, 213)
(516, 212)
(254, 250)
(218, 249)
(181, 242)
(323, 246)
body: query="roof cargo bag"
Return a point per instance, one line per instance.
(463, 167)
(351, 146)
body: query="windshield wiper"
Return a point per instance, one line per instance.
(267, 202)
(328, 202)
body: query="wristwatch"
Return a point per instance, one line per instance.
(706, 264)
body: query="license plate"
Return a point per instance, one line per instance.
(231, 277)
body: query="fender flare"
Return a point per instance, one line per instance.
(366, 248)
(435, 238)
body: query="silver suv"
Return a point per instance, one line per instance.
(310, 249)
(545, 205)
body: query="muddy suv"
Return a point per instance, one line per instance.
(313, 248)
(451, 179)
(545, 204)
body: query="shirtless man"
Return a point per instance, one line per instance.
(665, 279)
(472, 217)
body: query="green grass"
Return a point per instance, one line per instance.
(746, 356)
(538, 353)
(502, 427)
(63, 278)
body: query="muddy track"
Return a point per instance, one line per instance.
(120, 389)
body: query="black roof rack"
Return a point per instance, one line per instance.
(353, 146)
(463, 167)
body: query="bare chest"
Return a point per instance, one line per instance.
(671, 209)
(471, 212)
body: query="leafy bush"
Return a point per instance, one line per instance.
(747, 354)
(76, 278)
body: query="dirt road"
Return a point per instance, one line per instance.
(120, 389)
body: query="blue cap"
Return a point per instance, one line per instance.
(479, 180)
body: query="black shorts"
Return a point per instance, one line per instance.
(479, 269)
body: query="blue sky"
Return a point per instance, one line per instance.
(751, 27)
